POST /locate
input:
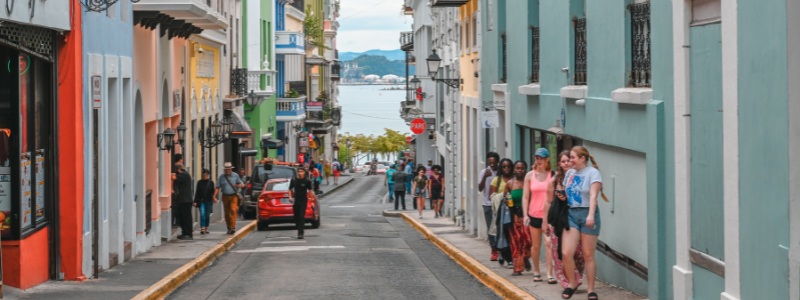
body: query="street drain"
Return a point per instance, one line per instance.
(375, 234)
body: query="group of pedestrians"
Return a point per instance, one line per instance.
(559, 206)
(427, 182)
(316, 170)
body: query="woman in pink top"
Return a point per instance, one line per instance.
(537, 190)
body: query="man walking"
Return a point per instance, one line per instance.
(400, 179)
(409, 171)
(228, 183)
(184, 200)
(176, 215)
(241, 191)
(390, 181)
(298, 195)
(487, 175)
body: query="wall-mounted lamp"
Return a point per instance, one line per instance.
(580, 102)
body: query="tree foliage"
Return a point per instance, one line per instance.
(383, 145)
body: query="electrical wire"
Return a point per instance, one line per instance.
(368, 116)
(368, 8)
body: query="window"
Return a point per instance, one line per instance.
(706, 12)
(534, 54)
(475, 31)
(580, 51)
(504, 57)
(640, 44)
(466, 28)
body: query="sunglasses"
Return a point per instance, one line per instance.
(506, 166)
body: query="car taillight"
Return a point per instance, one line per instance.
(249, 188)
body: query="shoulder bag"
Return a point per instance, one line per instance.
(238, 196)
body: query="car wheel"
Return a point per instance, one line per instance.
(249, 215)
(262, 225)
(315, 223)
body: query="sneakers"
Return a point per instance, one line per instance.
(495, 254)
(231, 231)
(300, 236)
(185, 237)
(420, 216)
(436, 216)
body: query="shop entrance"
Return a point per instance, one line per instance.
(555, 142)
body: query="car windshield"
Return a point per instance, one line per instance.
(277, 172)
(278, 186)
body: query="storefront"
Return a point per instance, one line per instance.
(28, 152)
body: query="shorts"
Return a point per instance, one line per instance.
(335, 173)
(420, 193)
(535, 222)
(436, 194)
(577, 219)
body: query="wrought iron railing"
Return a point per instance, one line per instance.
(239, 81)
(336, 116)
(640, 44)
(580, 51)
(534, 54)
(315, 115)
(299, 5)
(298, 86)
(504, 53)
(336, 69)
(407, 40)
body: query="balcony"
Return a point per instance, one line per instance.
(290, 43)
(336, 70)
(239, 82)
(299, 5)
(448, 3)
(291, 109)
(254, 82)
(407, 40)
(196, 12)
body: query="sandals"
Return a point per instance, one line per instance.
(516, 274)
(593, 294)
(567, 291)
(552, 280)
(537, 278)
(527, 265)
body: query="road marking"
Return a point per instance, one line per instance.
(283, 242)
(287, 248)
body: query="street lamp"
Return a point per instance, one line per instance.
(168, 137)
(415, 85)
(181, 134)
(253, 100)
(433, 67)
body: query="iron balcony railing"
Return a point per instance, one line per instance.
(640, 46)
(535, 54)
(336, 69)
(504, 48)
(580, 51)
(298, 86)
(407, 40)
(239, 81)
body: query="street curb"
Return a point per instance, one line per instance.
(174, 280)
(500, 285)
(349, 180)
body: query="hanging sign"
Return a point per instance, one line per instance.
(97, 91)
(490, 119)
(303, 142)
(314, 106)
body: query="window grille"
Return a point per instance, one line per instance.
(640, 44)
(31, 39)
(535, 54)
(580, 51)
(505, 57)
(239, 82)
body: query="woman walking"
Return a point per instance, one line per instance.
(538, 188)
(327, 168)
(204, 200)
(556, 217)
(518, 234)
(420, 189)
(583, 183)
(316, 179)
(497, 190)
(436, 184)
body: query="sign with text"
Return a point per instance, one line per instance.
(97, 91)
(409, 139)
(418, 126)
(490, 119)
(314, 106)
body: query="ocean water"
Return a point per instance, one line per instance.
(366, 109)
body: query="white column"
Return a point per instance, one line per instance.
(682, 271)
(730, 147)
(793, 53)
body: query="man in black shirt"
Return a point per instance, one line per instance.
(299, 187)
(184, 200)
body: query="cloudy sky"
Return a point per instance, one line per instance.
(371, 24)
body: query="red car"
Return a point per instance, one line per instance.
(274, 206)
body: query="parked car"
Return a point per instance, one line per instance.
(261, 174)
(274, 206)
(381, 169)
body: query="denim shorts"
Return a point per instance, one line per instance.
(420, 193)
(577, 219)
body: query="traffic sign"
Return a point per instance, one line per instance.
(408, 139)
(418, 126)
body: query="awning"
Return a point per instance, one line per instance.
(244, 151)
(241, 129)
(270, 143)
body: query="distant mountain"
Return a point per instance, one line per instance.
(379, 65)
(389, 54)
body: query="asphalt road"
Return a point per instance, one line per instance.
(356, 254)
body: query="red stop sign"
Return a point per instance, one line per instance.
(418, 126)
(408, 139)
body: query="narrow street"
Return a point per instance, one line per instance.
(356, 254)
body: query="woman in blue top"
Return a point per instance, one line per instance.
(583, 183)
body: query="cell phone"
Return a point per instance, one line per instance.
(528, 222)
(561, 192)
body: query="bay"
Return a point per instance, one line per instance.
(367, 109)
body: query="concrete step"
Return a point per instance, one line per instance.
(113, 260)
(128, 251)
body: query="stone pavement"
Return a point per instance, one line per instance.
(479, 249)
(128, 279)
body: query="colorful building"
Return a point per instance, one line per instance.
(259, 57)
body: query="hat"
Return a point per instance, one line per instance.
(542, 152)
(229, 165)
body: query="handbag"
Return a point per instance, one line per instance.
(238, 196)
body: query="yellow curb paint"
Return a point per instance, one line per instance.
(168, 284)
(500, 285)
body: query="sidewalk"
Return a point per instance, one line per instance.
(130, 278)
(479, 250)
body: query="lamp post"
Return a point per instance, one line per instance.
(218, 132)
(415, 85)
(181, 134)
(168, 137)
(348, 144)
(433, 67)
